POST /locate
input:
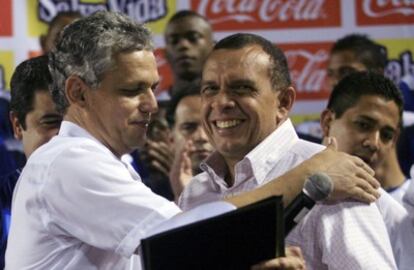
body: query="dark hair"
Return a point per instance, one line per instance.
(189, 89)
(186, 13)
(278, 70)
(87, 46)
(372, 55)
(351, 88)
(29, 77)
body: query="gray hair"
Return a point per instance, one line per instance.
(87, 46)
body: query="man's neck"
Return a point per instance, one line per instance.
(229, 177)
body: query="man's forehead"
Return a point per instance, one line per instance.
(377, 108)
(187, 24)
(245, 57)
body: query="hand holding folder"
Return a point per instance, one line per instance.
(234, 240)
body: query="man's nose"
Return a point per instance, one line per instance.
(148, 103)
(223, 100)
(199, 134)
(183, 44)
(373, 140)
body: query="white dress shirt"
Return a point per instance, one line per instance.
(78, 206)
(348, 235)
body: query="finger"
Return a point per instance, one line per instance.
(293, 251)
(365, 184)
(163, 158)
(293, 263)
(361, 164)
(367, 174)
(158, 166)
(159, 150)
(362, 196)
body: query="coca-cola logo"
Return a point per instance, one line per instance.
(307, 65)
(382, 8)
(140, 11)
(384, 11)
(237, 14)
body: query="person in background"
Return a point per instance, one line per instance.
(350, 54)
(188, 136)
(34, 119)
(188, 40)
(77, 204)
(55, 26)
(364, 114)
(246, 95)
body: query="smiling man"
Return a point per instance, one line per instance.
(246, 98)
(77, 204)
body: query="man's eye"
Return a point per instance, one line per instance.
(173, 40)
(345, 71)
(189, 127)
(387, 135)
(209, 90)
(193, 37)
(51, 123)
(363, 125)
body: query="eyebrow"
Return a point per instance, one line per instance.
(242, 81)
(372, 120)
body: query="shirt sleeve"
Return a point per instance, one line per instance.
(92, 196)
(346, 235)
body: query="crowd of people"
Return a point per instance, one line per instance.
(107, 163)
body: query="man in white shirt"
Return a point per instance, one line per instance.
(364, 114)
(246, 97)
(76, 204)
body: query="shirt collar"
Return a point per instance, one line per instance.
(258, 162)
(70, 129)
(266, 154)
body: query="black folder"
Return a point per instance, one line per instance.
(234, 240)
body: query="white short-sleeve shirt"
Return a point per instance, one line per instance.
(78, 206)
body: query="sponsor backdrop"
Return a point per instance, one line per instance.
(304, 29)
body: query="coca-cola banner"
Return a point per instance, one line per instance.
(304, 29)
(269, 14)
(374, 12)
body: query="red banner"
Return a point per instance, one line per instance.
(377, 12)
(164, 70)
(269, 14)
(5, 18)
(307, 65)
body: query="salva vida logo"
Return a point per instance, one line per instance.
(140, 11)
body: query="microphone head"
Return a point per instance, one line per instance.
(318, 186)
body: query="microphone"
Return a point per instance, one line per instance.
(316, 188)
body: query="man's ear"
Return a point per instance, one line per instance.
(286, 99)
(75, 90)
(17, 127)
(327, 117)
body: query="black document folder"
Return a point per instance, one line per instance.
(234, 240)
